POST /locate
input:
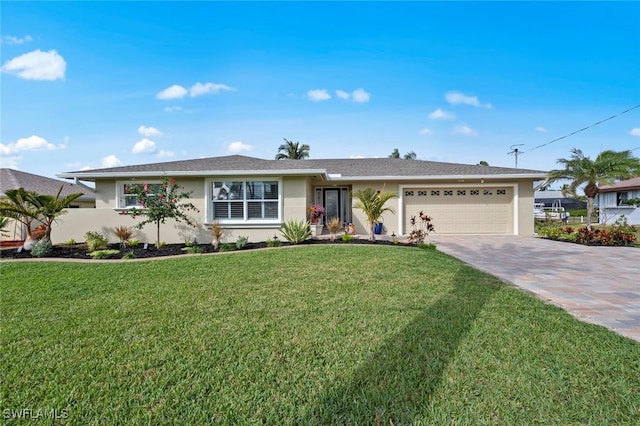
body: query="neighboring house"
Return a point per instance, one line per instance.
(612, 201)
(252, 197)
(556, 198)
(14, 179)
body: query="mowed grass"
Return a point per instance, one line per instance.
(310, 335)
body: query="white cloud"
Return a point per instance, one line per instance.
(360, 96)
(145, 146)
(464, 130)
(540, 129)
(111, 161)
(635, 131)
(37, 65)
(456, 98)
(32, 143)
(204, 88)
(83, 168)
(317, 95)
(173, 92)
(358, 156)
(178, 92)
(239, 146)
(439, 114)
(149, 131)
(425, 131)
(172, 108)
(165, 154)
(10, 162)
(15, 40)
(343, 95)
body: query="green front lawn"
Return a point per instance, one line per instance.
(310, 335)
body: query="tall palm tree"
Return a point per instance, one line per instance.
(292, 151)
(411, 155)
(605, 169)
(372, 202)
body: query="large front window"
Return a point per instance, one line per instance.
(245, 200)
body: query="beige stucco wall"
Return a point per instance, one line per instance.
(525, 207)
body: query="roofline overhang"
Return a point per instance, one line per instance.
(198, 173)
(491, 177)
(621, 188)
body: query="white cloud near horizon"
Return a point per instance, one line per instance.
(178, 92)
(32, 143)
(37, 65)
(317, 95)
(149, 131)
(10, 162)
(343, 95)
(110, 161)
(635, 131)
(15, 40)
(239, 146)
(439, 114)
(464, 130)
(458, 98)
(360, 96)
(165, 154)
(144, 146)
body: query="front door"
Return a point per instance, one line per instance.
(335, 202)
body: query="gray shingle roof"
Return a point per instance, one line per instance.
(14, 179)
(357, 167)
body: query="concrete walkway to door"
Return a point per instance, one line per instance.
(600, 285)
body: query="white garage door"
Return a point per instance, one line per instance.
(464, 210)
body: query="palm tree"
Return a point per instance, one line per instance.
(50, 207)
(566, 191)
(411, 155)
(18, 207)
(372, 202)
(395, 153)
(292, 151)
(605, 169)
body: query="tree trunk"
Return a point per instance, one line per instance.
(371, 230)
(158, 235)
(589, 211)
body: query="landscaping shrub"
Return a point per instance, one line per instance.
(227, 247)
(619, 234)
(420, 228)
(129, 255)
(274, 242)
(346, 238)
(41, 248)
(124, 234)
(216, 233)
(296, 231)
(134, 243)
(192, 249)
(334, 225)
(103, 254)
(242, 242)
(96, 240)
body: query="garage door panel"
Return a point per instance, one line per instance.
(463, 210)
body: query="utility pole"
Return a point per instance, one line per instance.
(515, 151)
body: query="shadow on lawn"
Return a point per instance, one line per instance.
(395, 385)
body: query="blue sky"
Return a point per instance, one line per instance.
(89, 84)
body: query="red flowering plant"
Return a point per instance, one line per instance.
(421, 227)
(316, 211)
(161, 202)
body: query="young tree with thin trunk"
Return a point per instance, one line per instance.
(372, 203)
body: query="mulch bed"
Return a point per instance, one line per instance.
(79, 251)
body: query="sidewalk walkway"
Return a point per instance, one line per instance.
(600, 285)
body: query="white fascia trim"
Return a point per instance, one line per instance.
(464, 178)
(200, 173)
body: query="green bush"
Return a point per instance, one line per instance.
(70, 242)
(296, 231)
(426, 246)
(347, 238)
(41, 248)
(192, 249)
(275, 242)
(227, 247)
(103, 254)
(242, 242)
(134, 243)
(129, 255)
(96, 240)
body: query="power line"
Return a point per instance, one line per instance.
(583, 129)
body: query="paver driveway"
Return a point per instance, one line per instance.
(600, 285)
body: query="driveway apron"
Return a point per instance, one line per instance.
(600, 285)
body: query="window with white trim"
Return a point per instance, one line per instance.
(243, 201)
(127, 198)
